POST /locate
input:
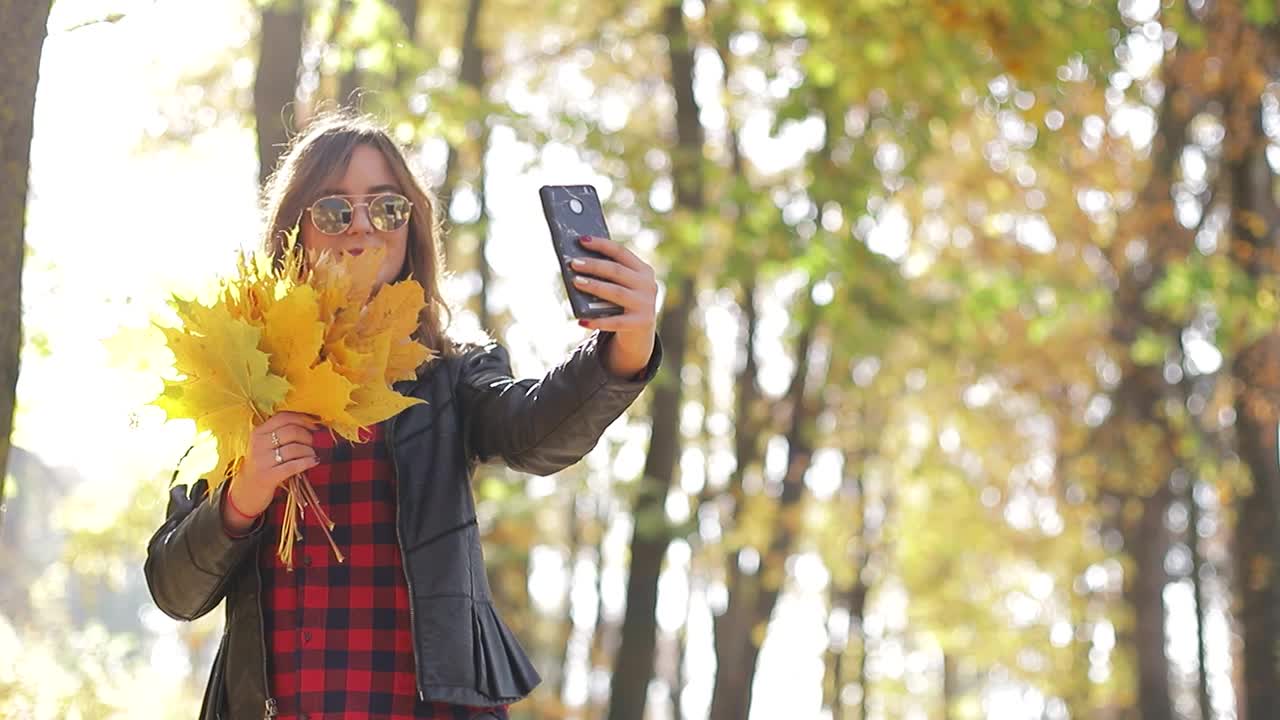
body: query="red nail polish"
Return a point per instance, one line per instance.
(583, 323)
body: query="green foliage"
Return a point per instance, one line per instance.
(1247, 308)
(1260, 12)
(1150, 348)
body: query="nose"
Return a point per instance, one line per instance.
(360, 222)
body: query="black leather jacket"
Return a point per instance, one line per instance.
(475, 412)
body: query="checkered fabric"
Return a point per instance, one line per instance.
(339, 643)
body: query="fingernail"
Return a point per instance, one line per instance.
(584, 323)
(582, 281)
(586, 239)
(578, 262)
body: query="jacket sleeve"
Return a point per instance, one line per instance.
(541, 426)
(191, 557)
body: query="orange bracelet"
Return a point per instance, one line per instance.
(237, 510)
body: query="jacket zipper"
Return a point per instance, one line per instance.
(272, 709)
(404, 561)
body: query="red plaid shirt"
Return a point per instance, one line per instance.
(339, 643)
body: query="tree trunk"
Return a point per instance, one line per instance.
(950, 686)
(864, 684)
(483, 314)
(740, 632)
(606, 634)
(471, 74)
(408, 12)
(1202, 600)
(727, 626)
(682, 649)
(1257, 529)
(833, 679)
(564, 635)
(872, 546)
(633, 667)
(1255, 231)
(733, 625)
(854, 599)
(1141, 491)
(1148, 543)
(276, 82)
(1078, 694)
(737, 645)
(349, 79)
(21, 42)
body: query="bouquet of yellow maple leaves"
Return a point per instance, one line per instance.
(303, 335)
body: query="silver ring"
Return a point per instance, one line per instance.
(279, 459)
(275, 439)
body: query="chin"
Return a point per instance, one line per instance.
(386, 277)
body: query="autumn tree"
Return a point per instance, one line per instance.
(22, 38)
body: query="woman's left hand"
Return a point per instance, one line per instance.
(627, 280)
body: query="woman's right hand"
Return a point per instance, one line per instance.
(253, 488)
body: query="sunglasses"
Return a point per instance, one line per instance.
(332, 215)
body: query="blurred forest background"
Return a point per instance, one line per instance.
(972, 378)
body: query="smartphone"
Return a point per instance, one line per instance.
(573, 211)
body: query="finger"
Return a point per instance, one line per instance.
(625, 321)
(280, 419)
(290, 458)
(293, 434)
(292, 451)
(613, 249)
(289, 417)
(264, 444)
(294, 467)
(626, 297)
(608, 270)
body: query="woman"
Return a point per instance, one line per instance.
(405, 627)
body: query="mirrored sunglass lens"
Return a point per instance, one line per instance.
(389, 212)
(331, 215)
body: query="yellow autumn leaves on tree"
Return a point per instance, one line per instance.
(316, 338)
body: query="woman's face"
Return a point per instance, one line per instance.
(367, 175)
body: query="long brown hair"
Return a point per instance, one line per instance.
(325, 149)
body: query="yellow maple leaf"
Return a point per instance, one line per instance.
(395, 310)
(292, 265)
(184, 308)
(250, 295)
(332, 297)
(404, 360)
(372, 405)
(350, 362)
(345, 285)
(363, 272)
(228, 385)
(292, 333)
(366, 357)
(320, 391)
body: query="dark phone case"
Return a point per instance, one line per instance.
(566, 227)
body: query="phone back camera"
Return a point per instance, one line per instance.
(575, 205)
